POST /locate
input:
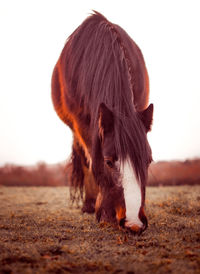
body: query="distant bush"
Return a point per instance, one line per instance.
(160, 173)
(39, 175)
(174, 173)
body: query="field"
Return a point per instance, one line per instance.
(40, 232)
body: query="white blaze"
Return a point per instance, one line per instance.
(132, 195)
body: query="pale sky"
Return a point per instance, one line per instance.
(32, 35)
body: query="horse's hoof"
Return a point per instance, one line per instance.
(89, 206)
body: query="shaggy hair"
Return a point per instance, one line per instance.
(102, 64)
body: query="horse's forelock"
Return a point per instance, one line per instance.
(131, 143)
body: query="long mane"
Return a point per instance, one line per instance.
(101, 63)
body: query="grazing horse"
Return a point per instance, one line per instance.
(100, 89)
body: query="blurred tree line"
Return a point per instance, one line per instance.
(160, 173)
(39, 175)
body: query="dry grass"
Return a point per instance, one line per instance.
(41, 233)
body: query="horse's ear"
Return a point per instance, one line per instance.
(106, 120)
(147, 117)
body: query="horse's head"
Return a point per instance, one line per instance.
(120, 162)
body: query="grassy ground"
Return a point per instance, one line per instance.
(41, 233)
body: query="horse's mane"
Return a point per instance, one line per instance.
(100, 62)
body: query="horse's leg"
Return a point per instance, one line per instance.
(91, 191)
(77, 174)
(82, 179)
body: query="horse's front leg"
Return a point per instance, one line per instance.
(91, 191)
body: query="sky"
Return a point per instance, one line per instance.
(32, 35)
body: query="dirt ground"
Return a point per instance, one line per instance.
(41, 233)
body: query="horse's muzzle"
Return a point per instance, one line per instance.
(134, 228)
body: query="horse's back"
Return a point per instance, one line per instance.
(77, 79)
(137, 67)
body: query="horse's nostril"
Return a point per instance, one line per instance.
(120, 215)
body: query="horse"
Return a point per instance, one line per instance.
(100, 89)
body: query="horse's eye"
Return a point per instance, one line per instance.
(109, 163)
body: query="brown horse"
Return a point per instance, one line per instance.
(100, 89)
